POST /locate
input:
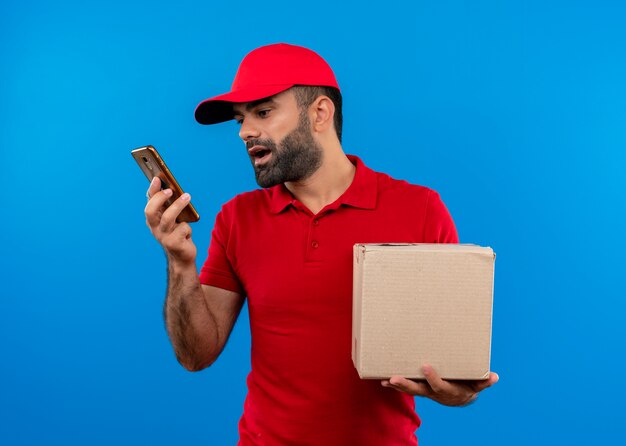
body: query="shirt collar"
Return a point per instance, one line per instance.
(361, 193)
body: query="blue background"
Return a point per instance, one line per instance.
(514, 111)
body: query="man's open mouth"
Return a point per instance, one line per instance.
(260, 154)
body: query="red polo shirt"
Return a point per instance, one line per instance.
(296, 270)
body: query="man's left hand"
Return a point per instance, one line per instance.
(449, 393)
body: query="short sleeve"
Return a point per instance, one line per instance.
(217, 270)
(439, 226)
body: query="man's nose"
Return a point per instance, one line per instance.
(248, 130)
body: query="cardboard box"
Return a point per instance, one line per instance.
(422, 303)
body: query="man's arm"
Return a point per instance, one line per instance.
(198, 318)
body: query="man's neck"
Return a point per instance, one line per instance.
(327, 184)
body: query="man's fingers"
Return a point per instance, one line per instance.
(155, 186)
(434, 380)
(490, 381)
(183, 230)
(168, 219)
(154, 205)
(408, 386)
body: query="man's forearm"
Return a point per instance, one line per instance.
(190, 325)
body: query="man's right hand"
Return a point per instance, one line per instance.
(174, 237)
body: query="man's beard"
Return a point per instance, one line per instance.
(295, 158)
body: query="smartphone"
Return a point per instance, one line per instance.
(152, 166)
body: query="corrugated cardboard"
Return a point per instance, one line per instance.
(422, 303)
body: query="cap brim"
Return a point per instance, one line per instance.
(220, 108)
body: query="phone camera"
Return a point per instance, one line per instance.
(145, 160)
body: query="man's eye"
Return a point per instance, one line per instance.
(263, 113)
(239, 121)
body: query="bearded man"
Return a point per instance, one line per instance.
(287, 249)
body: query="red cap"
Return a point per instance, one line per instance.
(264, 72)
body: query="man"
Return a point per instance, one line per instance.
(287, 248)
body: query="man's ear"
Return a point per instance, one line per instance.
(323, 112)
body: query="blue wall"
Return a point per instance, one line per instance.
(514, 111)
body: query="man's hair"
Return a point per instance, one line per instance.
(306, 94)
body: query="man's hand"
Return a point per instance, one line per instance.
(449, 393)
(174, 237)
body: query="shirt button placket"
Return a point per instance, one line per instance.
(314, 242)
